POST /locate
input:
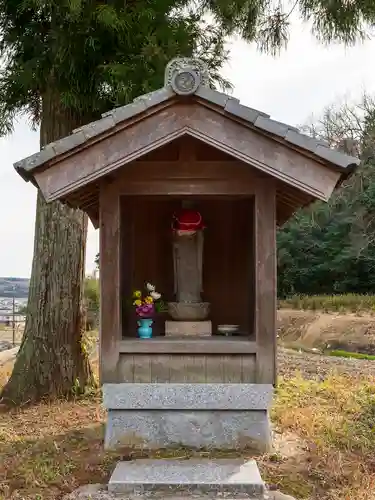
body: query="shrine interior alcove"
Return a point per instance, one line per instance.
(146, 235)
(228, 259)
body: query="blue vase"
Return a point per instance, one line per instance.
(145, 328)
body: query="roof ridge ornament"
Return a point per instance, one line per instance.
(186, 74)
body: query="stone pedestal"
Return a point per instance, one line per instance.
(188, 328)
(188, 311)
(224, 416)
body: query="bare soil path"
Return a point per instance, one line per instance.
(316, 365)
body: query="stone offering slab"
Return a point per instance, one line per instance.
(222, 477)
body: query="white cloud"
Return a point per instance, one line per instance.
(303, 80)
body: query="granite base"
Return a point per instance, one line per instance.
(220, 416)
(193, 429)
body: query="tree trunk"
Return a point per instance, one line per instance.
(52, 360)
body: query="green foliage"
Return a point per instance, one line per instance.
(355, 355)
(328, 249)
(92, 294)
(96, 54)
(349, 302)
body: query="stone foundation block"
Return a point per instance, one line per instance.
(220, 416)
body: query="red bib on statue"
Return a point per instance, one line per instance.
(187, 222)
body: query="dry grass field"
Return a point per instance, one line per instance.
(323, 415)
(324, 442)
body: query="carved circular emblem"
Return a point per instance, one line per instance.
(185, 82)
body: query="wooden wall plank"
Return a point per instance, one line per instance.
(227, 261)
(165, 368)
(160, 368)
(192, 187)
(202, 345)
(265, 282)
(110, 319)
(126, 367)
(177, 370)
(146, 254)
(248, 369)
(142, 369)
(232, 374)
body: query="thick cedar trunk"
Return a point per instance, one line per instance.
(52, 361)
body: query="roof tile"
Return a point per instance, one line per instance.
(335, 157)
(234, 107)
(156, 97)
(67, 143)
(213, 96)
(301, 140)
(126, 112)
(36, 159)
(98, 127)
(231, 106)
(272, 126)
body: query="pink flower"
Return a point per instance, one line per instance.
(145, 310)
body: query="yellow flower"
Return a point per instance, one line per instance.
(137, 294)
(137, 302)
(149, 300)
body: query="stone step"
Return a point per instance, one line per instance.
(234, 477)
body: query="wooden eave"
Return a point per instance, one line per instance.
(288, 200)
(71, 169)
(88, 163)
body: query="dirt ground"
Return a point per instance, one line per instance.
(315, 329)
(323, 430)
(308, 329)
(311, 366)
(301, 331)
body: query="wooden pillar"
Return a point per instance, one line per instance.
(265, 281)
(110, 322)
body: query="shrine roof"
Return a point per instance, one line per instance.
(230, 106)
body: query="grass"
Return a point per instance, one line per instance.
(346, 354)
(325, 446)
(331, 303)
(336, 419)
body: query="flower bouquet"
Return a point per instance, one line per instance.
(145, 308)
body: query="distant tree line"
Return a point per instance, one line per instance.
(329, 248)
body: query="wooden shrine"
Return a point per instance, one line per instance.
(246, 174)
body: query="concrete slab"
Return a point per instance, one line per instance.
(237, 478)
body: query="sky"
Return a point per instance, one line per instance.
(291, 87)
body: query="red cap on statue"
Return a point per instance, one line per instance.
(187, 222)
